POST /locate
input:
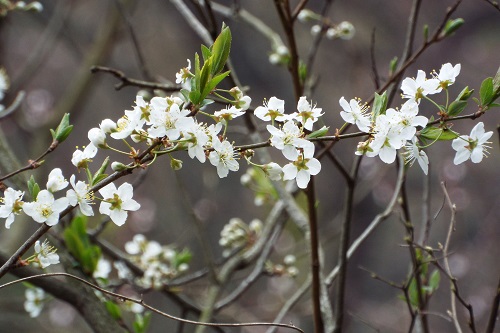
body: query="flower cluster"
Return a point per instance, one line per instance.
(290, 138)
(160, 263)
(47, 209)
(237, 235)
(395, 129)
(35, 298)
(287, 268)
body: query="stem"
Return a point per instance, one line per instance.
(315, 263)
(344, 245)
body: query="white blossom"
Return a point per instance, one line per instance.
(222, 157)
(288, 139)
(471, 146)
(307, 114)
(46, 208)
(419, 87)
(11, 205)
(34, 301)
(274, 109)
(414, 153)
(117, 202)
(46, 254)
(353, 113)
(81, 159)
(80, 196)
(56, 181)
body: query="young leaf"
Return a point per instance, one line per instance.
(213, 83)
(63, 130)
(486, 92)
(435, 133)
(379, 104)
(220, 50)
(456, 107)
(319, 133)
(33, 187)
(113, 309)
(434, 280)
(205, 52)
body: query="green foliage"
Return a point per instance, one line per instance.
(183, 257)
(486, 92)
(100, 174)
(113, 309)
(319, 133)
(209, 75)
(33, 187)
(456, 107)
(141, 322)
(436, 133)
(63, 130)
(379, 105)
(452, 26)
(80, 246)
(392, 65)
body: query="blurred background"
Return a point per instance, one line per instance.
(48, 55)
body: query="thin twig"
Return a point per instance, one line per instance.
(142, 158)
(494, 311)
(373, 225)
(416, 262)
(315, 263)
(126, 81)
(135, 42)
(147, 306)
(376, 77)
(494, 4)
(344, 245)
(451, 228)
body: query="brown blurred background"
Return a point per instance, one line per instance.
(48, 55)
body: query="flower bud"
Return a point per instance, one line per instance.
(175, 164)
(117, 166)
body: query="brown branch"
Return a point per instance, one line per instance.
(494, 4)
(126, 81)
(315, 262)
(147, 306)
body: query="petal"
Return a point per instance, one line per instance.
(131, 205)
(303, 178)
(314, 166)
(461, 156)
(477, 154)
(118, 216)
(289, 172)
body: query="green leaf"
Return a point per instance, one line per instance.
(452, 26)
(205, 74)
(434, 280)
(213, 84)
(413, 293)
(494, 105)
(205, 52)
(220, 50)
(302, 71)
(486, 92)
(379, 105)
(319, 133)
(464, 94)
(436, 133)
(183, 257)
(426, 32)
(197, 70)
(141, 322)
(33, 187)
(392, 65)
(113, 309)
(456, 107)
(194, 97)
(74, 243)
(185, 93)
(101, 172)
(63, 130)
(496, 84)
